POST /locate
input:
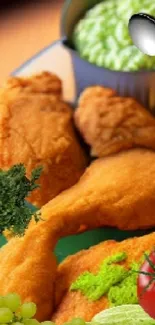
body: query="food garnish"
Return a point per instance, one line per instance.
(112, 279)
(15, 215)
(12, 311)
(146, 285)
(31, 263)
(124, 315)
(34, 115)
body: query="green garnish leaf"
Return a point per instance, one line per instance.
(15, 215)
(94, 286)
(125, 314)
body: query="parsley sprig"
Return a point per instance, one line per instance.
(15, 215)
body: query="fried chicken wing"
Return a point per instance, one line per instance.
(109, 123)
(114, 191)
(72, 304)
(36, 129)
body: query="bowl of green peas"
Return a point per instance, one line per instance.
(95, 32)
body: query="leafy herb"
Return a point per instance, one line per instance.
(15, 215)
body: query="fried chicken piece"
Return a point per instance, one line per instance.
(28, 267)
(110, 124)
(36, 129)
(72, 304)
(95, 92)
(43, 83)
(114, 191)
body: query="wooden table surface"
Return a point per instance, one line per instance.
(25, 28)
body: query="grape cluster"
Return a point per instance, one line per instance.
(13, 312)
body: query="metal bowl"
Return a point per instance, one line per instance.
(139, 84)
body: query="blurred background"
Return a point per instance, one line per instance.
(26, 26)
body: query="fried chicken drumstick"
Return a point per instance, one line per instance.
(115, 191)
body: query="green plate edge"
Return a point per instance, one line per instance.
(73, 244)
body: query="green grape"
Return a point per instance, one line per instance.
(30, 322)
(12, 301)
(78, 321)
(17, 323)
(47, 322)
(28, 310)
(2, 302)
(6, 315)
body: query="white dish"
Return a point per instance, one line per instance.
(54, 58)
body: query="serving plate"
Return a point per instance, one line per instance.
(55, 58)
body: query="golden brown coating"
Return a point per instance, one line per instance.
(72, 304)
(43, 83)
(114, 191)
(28, 267)
(110, 123)
(36, 129)
(93, 92)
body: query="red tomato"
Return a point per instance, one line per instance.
(146, 288)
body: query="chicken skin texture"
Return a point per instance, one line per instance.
(109, 123)
(72, 304)
(114, 191)
(36, 129)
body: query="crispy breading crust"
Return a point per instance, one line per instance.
(109, 123)
(114, 191)
(43, 83)
(74, 304)
(36, 129)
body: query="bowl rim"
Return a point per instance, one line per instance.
(64, 10)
